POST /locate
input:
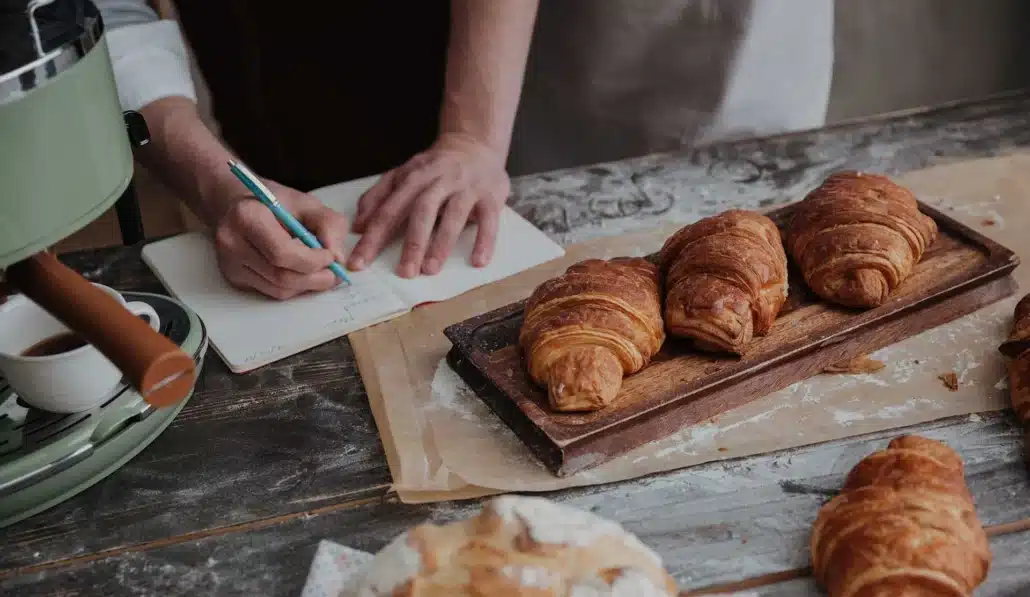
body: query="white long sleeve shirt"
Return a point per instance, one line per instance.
(148, 54)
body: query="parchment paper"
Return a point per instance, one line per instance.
(443, 443)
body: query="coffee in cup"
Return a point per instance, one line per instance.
(51, 367)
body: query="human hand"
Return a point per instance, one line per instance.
(255, 252)
(436, 193)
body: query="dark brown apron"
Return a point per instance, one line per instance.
(314, 94)
(314, 98)
(610, 79)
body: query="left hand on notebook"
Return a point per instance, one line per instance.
(437, 193)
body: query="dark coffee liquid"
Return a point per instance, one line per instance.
(54, 345)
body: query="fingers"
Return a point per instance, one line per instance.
(453, 219)
(435, 192)
(371, 199)
(246, 278)
(488, 218)
(420, 228)
(254, 253)
(389, 215)
(260, 227)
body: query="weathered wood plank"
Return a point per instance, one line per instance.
(713, 524)
(1008, 576)
(291, 437)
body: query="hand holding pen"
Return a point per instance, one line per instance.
(257, 252)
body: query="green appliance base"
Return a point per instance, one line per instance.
(46, 458)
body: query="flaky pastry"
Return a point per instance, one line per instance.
(726, 280)
(857, 237)
(585, 330)
(904, 525)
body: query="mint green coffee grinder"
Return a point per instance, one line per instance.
(65, 159)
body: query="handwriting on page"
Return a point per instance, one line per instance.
(327, 315)
(359, 303)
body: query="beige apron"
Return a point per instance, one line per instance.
(609, 79)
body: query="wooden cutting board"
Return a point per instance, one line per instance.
(963, 271)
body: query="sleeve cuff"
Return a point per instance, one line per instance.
(150, 63)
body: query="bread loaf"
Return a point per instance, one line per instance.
(517, 547)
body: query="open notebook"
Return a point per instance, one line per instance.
(249, 331)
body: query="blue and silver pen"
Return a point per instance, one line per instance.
(265, 196)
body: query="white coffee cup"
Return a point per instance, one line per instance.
(64, 382)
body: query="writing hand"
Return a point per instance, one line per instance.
(433, 196)
(255, 252)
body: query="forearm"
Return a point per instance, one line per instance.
(187, 156)
(486, 62)
(152, 71)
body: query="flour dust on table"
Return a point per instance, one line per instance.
(477, 447)
(621, 197)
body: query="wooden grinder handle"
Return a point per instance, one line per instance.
(159, 369)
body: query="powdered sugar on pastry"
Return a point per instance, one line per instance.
(555, 524)
(526, 546)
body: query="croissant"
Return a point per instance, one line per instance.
(857, 237)
(1019, 337)
(1017, 345)
(726, 280)
(586, 329)
(903, 526)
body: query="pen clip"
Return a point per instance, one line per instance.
(253, 182)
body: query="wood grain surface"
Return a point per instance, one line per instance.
(754, 521)
(960, 273)
(234, 497)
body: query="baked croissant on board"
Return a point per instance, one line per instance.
(857, 237)
(904, 525)
(726, 280)
(587, 328)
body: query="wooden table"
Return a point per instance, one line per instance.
(233, 498)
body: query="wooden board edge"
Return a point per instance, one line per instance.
(577, 454)
(547, 451)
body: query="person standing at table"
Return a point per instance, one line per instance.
(429, 93)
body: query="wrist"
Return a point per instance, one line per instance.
(473, 144)
(216, 190)
(187, 156)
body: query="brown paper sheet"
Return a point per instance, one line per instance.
(443, 443)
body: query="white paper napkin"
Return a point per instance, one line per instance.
(333, 568)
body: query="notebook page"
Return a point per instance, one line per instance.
(520, 246)
(248, 330)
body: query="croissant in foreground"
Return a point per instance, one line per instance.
(903, 526)
(726, 280)
(857, 237)
(586, 329)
